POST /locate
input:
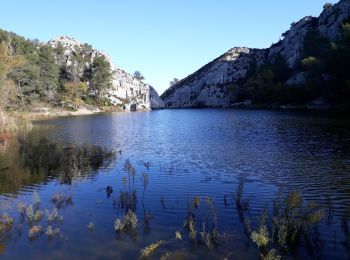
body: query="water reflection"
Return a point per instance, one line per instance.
(32, 160)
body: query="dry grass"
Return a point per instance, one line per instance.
(10, 123)
(146, 252)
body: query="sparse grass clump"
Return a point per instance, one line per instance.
(34, 232)
(191, 227)
(53, 216)
(178, 235)
(118, 225)
(60, 201)
(6, 223)
(51, 232)
(271, 255)
(22, 208)
(130, 220)
(36, 198)
(209, 238)
(129, 224)
(293, 224)
(165, 256)
(34, 216)
(10, 123)
(147, 251)
(261, 236)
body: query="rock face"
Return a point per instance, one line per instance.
(126, 91)
(213, 84)
(328, 23)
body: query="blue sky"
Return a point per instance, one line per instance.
(161, 38)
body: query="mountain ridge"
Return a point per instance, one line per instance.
(201, 90)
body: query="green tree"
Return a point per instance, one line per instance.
(174, 82)
(315, 44)
(9, 62)
(138, 75)
(49, 73)
(100, 76)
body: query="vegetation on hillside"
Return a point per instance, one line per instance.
(45, 77)
(33, 74)
(324, 65)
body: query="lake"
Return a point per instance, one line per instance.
(204, 173)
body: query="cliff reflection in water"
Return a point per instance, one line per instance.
(30, 160)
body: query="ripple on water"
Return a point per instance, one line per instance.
(204, 153)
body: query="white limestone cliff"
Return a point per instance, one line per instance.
(126, 91)
(213, 84)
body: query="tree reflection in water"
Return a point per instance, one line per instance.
(30, 161)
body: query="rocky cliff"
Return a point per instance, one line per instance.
(215, 84)
(126, 91)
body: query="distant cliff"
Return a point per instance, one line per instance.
(126, 91)
(223, 82)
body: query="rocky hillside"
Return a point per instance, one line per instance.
(126, 91)
(218, 83)
(211, 86)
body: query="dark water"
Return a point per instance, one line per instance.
(160, 161)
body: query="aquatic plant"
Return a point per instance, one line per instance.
(6, 223)
(130, 220)
(271, 255)
(33, 216)
(127, 201)
(178, 235)
(128, 224)
(293, 224)
(241, 204)
(91, 226)
(129, 168)
(147, 251)
(58, 199)
(191, 227)
(53, 216)
(261, 236)
(34, 231)
(208, 238)
(22, 208)
(36, 198)
(51, 232)
(196, 202)
(118, 225)
(165, 256)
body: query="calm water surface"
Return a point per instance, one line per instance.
(160, 161)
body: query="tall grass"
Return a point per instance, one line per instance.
(10, 123)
